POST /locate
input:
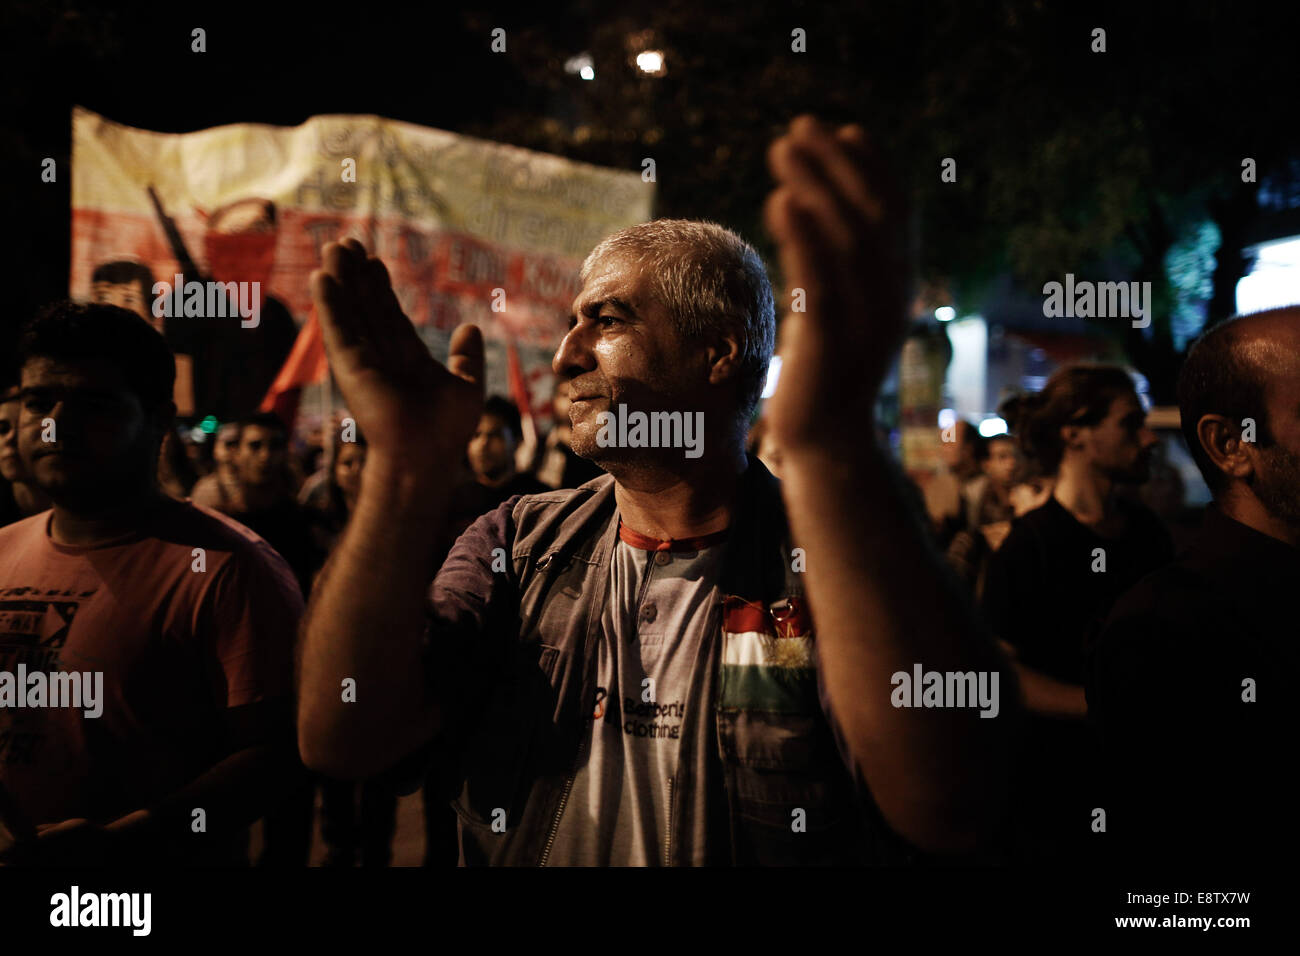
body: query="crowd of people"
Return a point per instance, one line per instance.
(298, 500)
(1084, 593)
(599, 652)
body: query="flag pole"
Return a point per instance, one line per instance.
(327, 420)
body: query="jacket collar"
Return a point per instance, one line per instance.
(758, 530)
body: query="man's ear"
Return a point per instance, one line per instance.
(724, 355)
(1221, 441)
(1070, 435)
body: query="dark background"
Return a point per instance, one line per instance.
(1067, 160)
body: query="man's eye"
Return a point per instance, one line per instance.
(609, 319)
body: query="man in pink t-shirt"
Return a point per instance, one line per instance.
(146, 644)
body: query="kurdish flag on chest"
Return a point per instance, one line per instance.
(767, 657)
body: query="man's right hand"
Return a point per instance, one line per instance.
(839, 222)
(410, 407)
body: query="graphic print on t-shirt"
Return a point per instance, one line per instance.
(643, 717)
(619, 809)
(34, 626)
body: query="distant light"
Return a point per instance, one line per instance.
(651, 62)
(1272, 280)
(773, 373)
(209, 424)
(993, 426)
(198, 436)
(945, 313)
(947, 418)
(582, 65)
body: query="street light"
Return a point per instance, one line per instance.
(582, 65)
(650, 62)
(993, 426)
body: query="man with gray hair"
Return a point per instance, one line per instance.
(626, 673)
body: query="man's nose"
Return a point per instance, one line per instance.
(574, 354)
(67, 418)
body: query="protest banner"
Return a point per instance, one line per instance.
(471, 231)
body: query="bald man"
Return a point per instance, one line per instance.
(1190, 684)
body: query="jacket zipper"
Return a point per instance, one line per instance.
(564, 799)
(668, 844)
(573, 770)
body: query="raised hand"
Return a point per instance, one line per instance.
(410, 407)
(839, 228)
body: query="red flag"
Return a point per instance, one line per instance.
(518, 387)
(306, 364)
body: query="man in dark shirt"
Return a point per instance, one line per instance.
(267, 506)
(1049, 591)
(1188, 685)
(491, 456)
(267, 503)
(1049, 587)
